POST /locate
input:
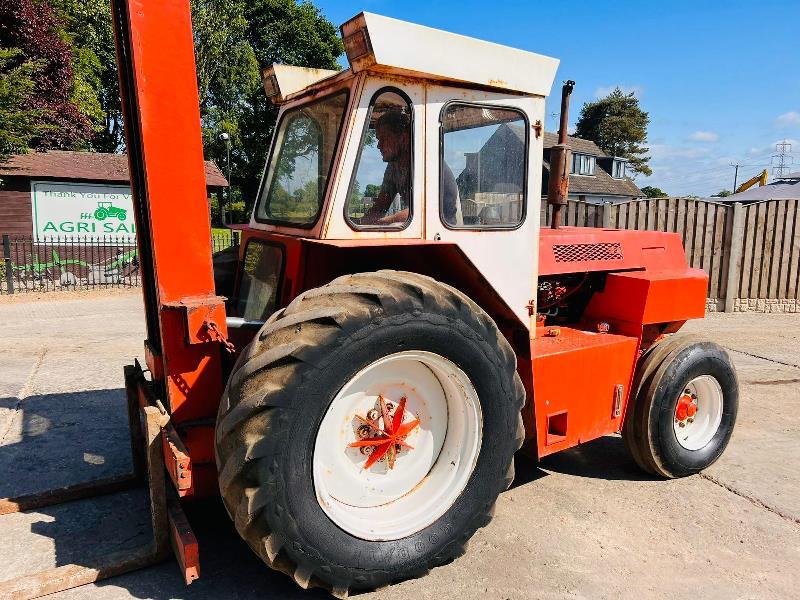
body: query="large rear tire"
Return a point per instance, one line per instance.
(302, 498)
(684, 406)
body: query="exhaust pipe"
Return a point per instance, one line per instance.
(560, 155)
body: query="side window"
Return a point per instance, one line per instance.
(483, 167)
(261, 273)
(301, 162)
(380, 192)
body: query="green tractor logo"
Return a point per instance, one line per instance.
(107, 210)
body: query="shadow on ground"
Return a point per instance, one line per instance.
(63, 439)
(55, 440)
(603, 458)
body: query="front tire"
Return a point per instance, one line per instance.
(682, 416)
(285, 426)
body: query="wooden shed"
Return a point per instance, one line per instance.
(62, 176)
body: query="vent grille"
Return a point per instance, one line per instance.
(587, 252)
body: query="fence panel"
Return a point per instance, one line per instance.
(64, 263)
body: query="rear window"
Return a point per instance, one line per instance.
(301, 162)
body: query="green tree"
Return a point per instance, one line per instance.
(88, 29)
(722, 194)
(34, 30)
(19, 124)
(654, 192)
(618, 125)
(232, 49)
(372, 190)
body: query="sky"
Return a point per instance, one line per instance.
(720, 79)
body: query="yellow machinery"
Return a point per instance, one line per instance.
(760, 179)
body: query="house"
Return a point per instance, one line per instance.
(594, 177)
(76, 194)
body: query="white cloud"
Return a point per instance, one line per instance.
(770, 149)
(683, 169)
(604, 91)
(789, 119)
(665, 151)
(704, 136)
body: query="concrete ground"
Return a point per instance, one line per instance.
(582, 524)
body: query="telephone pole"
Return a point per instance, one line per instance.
(735, 175)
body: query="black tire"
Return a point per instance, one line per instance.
(662, 375)
(282, 386)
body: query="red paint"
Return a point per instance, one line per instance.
(685, 408)
(385, 440)
(574, 379)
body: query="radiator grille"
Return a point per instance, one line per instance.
(586, 252)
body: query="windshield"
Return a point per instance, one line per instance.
(301, 162)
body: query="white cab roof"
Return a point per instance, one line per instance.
(378, 43)
(281, 81)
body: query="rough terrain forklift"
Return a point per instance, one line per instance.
(396, 324)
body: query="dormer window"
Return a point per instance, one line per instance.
(583, 164)
(618, 169)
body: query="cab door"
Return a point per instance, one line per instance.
(483, 185)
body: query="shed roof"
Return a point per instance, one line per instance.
(89, 166)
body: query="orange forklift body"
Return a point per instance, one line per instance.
(577, 378)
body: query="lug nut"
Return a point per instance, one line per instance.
(681, 424)
(690, 420)
(363, 431)
(372, 415)
(390, 407)
(366, 450)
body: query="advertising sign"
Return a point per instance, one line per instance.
(81, 211)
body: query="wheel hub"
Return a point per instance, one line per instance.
(698, 412)
(397, 445)
(686, 408)
(384, 434)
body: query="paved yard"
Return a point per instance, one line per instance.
(582, 524)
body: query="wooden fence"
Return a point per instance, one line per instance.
(751, 252)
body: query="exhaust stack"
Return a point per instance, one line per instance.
(560, 154)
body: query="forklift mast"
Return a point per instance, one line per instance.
(160, 105)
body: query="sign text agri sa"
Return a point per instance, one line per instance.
(81, 210)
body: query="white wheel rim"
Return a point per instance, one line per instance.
(380, 503)
(695, 432)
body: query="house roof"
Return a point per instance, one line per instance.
(92, 166)
(601, 183)
(578, 144)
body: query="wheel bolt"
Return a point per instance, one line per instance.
(390, 407)
(366, 450)
(690, 420)
(373, 414)
(681, 424)
(363, 431)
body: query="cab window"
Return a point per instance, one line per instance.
(381, 189)
(261, 275)
(301, 162)
(483, 167)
